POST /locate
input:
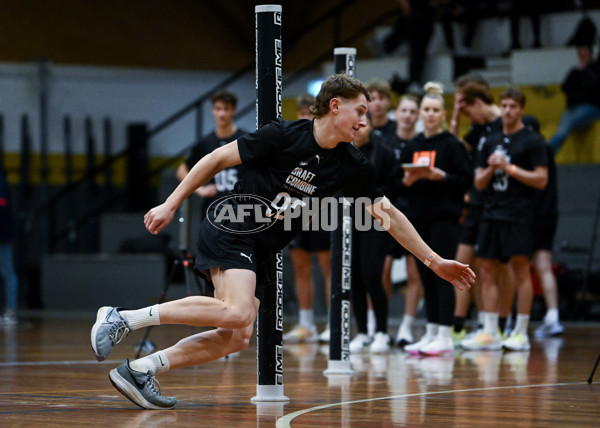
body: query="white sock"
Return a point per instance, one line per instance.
(431, 329)
(156, 363)
(481, 318)
(371, 323)
(522, 323)
(306, 318)
(444, 332)
(142, 317)
(407, 321)
(490, 323)
(551, 316)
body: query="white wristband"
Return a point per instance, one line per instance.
(429, 259)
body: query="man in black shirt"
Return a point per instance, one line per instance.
(285, 164)
(379, 107)
(223, 109)
(474, 99)
(510, 166)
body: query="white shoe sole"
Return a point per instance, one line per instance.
(131, 393)
(99, 319)
(492, 347)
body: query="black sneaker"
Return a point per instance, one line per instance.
(140, 388)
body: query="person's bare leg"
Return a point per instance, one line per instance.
(520, 267)
(306, 329)
(412, 296)
(489, 269)
(324, 258)
(233, 310)
(414, 287)
(507, 285)
(519, 338)
(542, 263)
(386, 276)
(464, 254)
(477, 289)
(305, 290)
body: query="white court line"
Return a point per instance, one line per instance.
(56, 363)
(285, 421)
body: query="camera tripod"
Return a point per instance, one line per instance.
(184, 262)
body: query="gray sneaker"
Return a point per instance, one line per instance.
(110, 328)
(140, 388)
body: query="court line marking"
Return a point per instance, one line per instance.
(286, 420)
(56, 363)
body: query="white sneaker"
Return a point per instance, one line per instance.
(360, 343)
(415, 348)
(548, 330)
(517, 342)
(404, 337)
(483, 341)
(438, 346)
(325, 335)
(381, 343)
(301, 334)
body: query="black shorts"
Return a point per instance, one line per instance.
(468, 230)
(501, 240)
(544, 229)
(231, 251)
(312, 241)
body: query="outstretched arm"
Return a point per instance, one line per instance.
(206, 168)
(458, 274)
(206, 191)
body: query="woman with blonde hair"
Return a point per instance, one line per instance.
(437, 173)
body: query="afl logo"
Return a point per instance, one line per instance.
(240, 214)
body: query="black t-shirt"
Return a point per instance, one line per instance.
(476, 138)
(582, 86)
(397, 145)
(545, 202)
(226, 179)
(284, 165)
(506, 198)
(438, 199)
(384, 163)
(387, 131)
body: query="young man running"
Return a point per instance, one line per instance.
(285, 163)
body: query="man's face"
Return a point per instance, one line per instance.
(223, 113)
(407, 113)
(350, 116)
(474, 112)
(380, 104)
(511, 112)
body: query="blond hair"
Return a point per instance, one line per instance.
(434, 90)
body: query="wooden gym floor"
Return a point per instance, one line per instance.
(49, 377)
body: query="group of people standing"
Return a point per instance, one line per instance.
(488, 198)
